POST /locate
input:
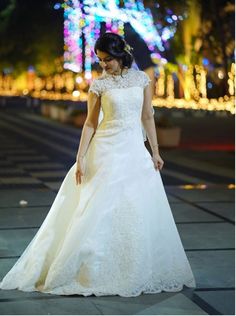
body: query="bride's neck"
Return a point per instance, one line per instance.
(121, 71)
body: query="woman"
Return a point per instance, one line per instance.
(110, 230)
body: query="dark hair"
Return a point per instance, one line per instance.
(116, 46)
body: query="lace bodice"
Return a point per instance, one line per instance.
(121, 98)
(133, 78)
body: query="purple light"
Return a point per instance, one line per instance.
(169, 11)
(57, 6)
(31, 68)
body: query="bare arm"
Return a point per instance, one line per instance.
(89, 128)
(149, 125)
(148, 119)
(91, 123)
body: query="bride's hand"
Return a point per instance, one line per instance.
(158, 162)
(79, 172)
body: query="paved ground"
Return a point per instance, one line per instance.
(35, 155)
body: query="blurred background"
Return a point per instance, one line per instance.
(186, 47)
(47, 63)
(46, 48)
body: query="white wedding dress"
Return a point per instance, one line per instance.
(114, 234)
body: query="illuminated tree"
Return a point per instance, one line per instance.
(84, 20)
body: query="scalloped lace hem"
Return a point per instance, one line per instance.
(88, 292)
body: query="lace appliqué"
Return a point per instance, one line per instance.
(133, 78)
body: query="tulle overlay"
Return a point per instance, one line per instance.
(114, 234)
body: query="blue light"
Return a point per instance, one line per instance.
(57, 6)
(209, 85)
(169, 20)
(31, 68)
(205, 61)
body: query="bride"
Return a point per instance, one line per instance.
(110, 229)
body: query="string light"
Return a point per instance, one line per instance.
(170, 87)
(231, 80)
(82, 24)
(202, 104)
(201, 82)
(160, 85)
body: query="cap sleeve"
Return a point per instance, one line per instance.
(145, 79)
(95, 87)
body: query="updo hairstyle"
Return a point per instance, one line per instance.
(114, 45)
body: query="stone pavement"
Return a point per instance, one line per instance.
(36, 153)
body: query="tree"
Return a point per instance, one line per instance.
(30, 34)
(217, 33)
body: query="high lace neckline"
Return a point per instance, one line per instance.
(122, 75)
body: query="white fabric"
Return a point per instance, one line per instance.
(114, 233)
(102, 84)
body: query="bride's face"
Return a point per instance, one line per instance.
(108, 62)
